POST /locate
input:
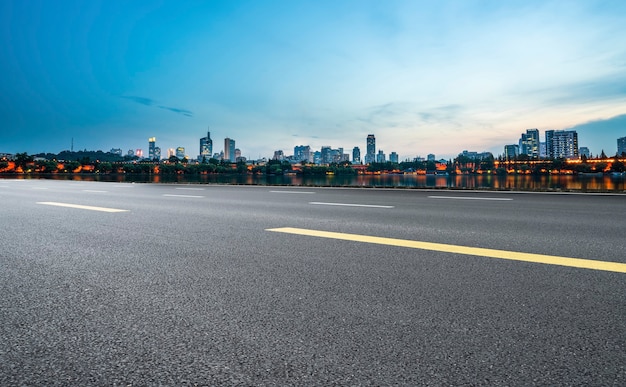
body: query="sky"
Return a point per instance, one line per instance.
(423, 76)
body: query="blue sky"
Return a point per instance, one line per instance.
(423, 76)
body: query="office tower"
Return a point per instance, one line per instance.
(529, 143)
(370, 153)
(356, 155)
(430, 157)
(380, 157)
(621, 146)
(326, 156)
(171, 152)
(562, 144)
(302, 153)
(206, 147)
(229, 150)
(116, 151)
(511, 151)
(139, 153)
(157, 153)
(180, 152)
(393, 157)
(151, 146)
(237, 154)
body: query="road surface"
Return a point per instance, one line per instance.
(157, 284)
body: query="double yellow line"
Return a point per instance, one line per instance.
(490, 253)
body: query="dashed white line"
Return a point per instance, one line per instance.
(469, 198)
(350, 205)
(81, 207)
(183, 196)
(294, 192)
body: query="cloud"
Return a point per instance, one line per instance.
(141, 100)
(177, 110)
(151, 102)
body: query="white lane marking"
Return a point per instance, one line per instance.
(191, 189)
(183, 196)
(350, 205)
(468, 198)
(294, 192)
(81, 207)
(93, 190)
(39, 188)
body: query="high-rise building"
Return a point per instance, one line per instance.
(430, 157)
(621, 146)
(529, 143)
(229, 150)
(380, 157)
(393, 157)
(206, 147)
(302, 153)
(180, 152)
(511, 151)
(326, 155)
(356, 155)
(151, 147)
(370, 153)
(561, 144)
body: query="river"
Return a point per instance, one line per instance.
(559, 183)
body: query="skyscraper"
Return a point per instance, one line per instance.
(302, 153)
(621, 146)
(529, 143)
(370, 154)
(356, 155)
(180, 152)
(206, 147)
(562, 143)
(151, 147)
(511, 151)
(229, 150)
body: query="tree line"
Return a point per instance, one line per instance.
(83, 163)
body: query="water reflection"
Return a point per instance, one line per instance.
(582, 183)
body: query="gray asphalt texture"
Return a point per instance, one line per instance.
(193, 290)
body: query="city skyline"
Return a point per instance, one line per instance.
(426, 77)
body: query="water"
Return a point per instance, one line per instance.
(577, 183)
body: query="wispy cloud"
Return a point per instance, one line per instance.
(151, 102)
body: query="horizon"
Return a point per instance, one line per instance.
(425, 77)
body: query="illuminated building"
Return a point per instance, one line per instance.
(529, 143)
(229, 150)
(370, 153)
(139, 153)
(562, 144)
(206, 147)
(151, 147)
(180, 152)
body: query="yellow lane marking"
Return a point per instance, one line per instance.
(489, 253)
(79, 206)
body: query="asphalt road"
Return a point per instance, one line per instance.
(203, 285)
